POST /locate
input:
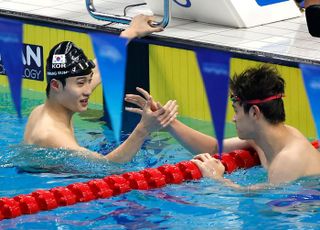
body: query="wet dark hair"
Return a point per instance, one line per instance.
(260, 82)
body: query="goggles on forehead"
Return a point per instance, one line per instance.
(235, 98)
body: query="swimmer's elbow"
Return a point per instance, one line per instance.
(117, 159)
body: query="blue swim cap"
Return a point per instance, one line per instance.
(67, 60)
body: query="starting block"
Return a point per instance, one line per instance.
(233, 13)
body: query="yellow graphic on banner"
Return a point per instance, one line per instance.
(47, 38)
(174, 74)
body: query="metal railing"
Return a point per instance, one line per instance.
(126, 20)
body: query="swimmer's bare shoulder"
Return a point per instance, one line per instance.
(42, 130)
(299, 158)
(307, 157)
(32, 130)
(302, 148)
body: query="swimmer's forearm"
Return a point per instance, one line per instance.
(129, 33)
(237, 187)
(128, 149)
(96, 78)
(230, 184)
(191, 139)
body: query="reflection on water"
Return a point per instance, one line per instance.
(90, 133)
(34, 159)
(203, 204)
(31, 158)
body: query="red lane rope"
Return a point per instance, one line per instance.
(150, 178)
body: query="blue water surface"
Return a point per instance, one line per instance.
(203, 204)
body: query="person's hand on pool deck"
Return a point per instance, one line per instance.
(140, 26)
(209, 166)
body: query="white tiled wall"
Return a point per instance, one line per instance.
(288, 38)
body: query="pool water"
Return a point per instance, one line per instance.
(203, 204)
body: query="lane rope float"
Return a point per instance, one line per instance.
(113, 185)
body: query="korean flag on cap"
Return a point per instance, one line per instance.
(59, 59)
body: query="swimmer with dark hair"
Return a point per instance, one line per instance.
(259, 117)
(71, 78)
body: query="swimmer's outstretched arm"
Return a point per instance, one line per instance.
(197, 142)
(193, 140)
(96, 77)
(213, 168)
(150, 121)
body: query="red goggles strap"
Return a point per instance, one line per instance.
(260, 101)
(235, 98)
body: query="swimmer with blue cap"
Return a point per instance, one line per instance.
(71, 78)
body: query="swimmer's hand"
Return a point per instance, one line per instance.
(213, 168)
(141, 101)
(169, 110)
(140, 27)
(209, 166)
(158, 119)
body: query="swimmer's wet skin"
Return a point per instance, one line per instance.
(71, 79)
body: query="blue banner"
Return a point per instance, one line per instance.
(111, 54)
(214, 67)
(311, 77)
(269, 2)
(32, 56)
(185, 3)
(10, 50)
